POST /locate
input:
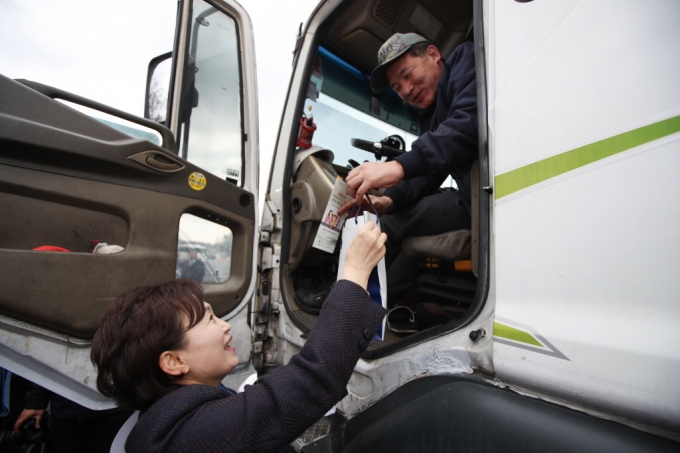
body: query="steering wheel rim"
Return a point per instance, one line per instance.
(376, 148)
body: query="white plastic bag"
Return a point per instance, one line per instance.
(377, 282)
(104, 248)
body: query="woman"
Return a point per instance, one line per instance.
(161, 349)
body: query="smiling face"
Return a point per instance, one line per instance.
(415, 78)
(207, 357)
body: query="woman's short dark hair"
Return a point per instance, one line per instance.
(138, 327)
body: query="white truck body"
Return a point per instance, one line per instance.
(577, 293)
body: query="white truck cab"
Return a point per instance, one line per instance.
(560, 330)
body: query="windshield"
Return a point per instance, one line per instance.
(337, 123)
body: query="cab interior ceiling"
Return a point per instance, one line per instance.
(355, 34)
(360, 30)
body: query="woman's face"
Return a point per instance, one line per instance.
(208, 355)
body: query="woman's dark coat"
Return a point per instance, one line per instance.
(275, 411)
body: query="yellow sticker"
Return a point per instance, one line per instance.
(197, 181)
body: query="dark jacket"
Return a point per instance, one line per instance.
(448, 140)
(275, 411)
(38, 397)
(195, 271)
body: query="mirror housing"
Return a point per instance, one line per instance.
(157, 88)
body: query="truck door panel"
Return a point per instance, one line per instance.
(66, 179)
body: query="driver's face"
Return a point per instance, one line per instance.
(415, 78)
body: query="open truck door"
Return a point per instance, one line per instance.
(67, 179)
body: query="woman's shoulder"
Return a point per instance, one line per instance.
(163, 422)
(185, 398)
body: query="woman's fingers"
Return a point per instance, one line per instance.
(364, 253)
(368, 247)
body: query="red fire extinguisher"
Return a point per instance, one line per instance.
(307, 128)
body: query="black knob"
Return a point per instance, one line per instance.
(363, 345)
(296, 205)
(477, 334)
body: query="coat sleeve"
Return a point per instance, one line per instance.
(272, 413)
(452, 145)
(37, 397)
(409, 191)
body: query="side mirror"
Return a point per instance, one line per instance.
(157, 88)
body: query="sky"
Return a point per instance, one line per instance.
(101, 50)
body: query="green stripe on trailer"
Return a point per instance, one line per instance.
(523, 177)
(511, 333)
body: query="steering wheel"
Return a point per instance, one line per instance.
(379, 149)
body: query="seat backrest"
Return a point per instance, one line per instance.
(453, 245)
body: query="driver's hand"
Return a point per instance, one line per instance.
(373, 175)
(382, 204)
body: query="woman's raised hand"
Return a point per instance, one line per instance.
(363, 254)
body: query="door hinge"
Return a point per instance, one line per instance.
(264, 237)
(262, 315)
(258, 356)
(269, 259)
(269, 216)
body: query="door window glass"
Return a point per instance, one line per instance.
(211, 133)
(203, 250)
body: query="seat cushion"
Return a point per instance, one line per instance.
(450, 246)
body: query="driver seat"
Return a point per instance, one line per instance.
(452, 246)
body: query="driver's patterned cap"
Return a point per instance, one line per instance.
(389, 52)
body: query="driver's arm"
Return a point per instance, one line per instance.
(453, 144)
(409, 191)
